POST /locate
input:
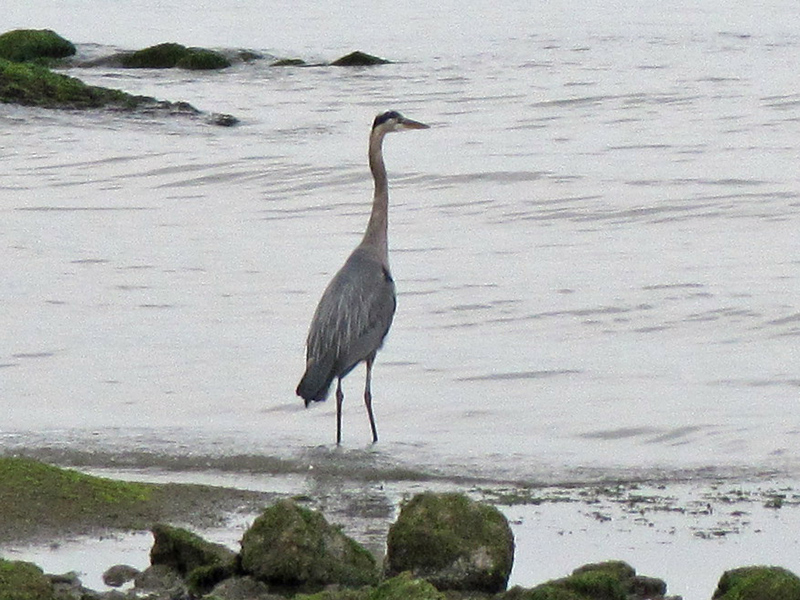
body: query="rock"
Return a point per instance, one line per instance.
(185, 551)
(34, 85)
(119, 575)
(29, 84)
(23, 45)
(334, 593)
(242, 588)
(452, 542)
(23, 581)
(405, 587)
(292, 546)
(201, 563)
(200, 59)
(402, 587)
(758, 583)
(359, 59)
(222, 119)
(249, 55)
(169, 55)
(160, 580)
(612, 580)
(635, 586)
(289, 62)
(68, 586)
(160, 56)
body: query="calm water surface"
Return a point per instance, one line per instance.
(595, 246)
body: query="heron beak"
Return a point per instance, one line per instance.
(411, 124)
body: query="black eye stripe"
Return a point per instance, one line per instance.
(380, 119)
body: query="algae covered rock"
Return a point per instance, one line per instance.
(405, 587)
(169, 55)
(359, 59)
(402, 587)
(29, 84)
(758, 583)
(452, 542)
(292, 546)
(611, 580)
(201, 563)
(160, 56)
(23, 581)
(158, 581)
(200, 59)
(23, 45)
(33, 85)
(634, 586)
(242, 588)
(289, 62)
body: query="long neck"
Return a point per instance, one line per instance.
(377, 228)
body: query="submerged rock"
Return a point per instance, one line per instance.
(452, 542)
(169, 55)
(289, 62)
(23, 581)
(23, 45)
(292, 546)
(359, 59)
(758, 583)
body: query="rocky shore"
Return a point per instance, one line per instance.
(27, 76)
(441, 545)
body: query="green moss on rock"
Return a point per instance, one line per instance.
(292, 546)
(202, 59)
(33, 85)
(542, 592)
(202, 563)
(758, 583)
(402, 587)
(169, 55)
(337, 594)
(611, 580)
(359, 59)
(452, 542)
(33, 490)
(405, 587)
(597, 585)
(160, 56)
(23, 581)
(289, 62)
(23, 45)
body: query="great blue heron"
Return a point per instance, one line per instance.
(356, 309)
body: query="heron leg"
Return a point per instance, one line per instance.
(368, 399)
(339, 400)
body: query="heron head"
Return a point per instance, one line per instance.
(394, 121)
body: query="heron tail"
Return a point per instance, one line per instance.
(316, 381)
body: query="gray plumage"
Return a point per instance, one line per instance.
(356, 309)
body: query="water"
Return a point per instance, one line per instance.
(594, 245)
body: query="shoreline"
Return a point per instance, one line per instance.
(660, 528)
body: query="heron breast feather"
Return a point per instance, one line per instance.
(354, 314)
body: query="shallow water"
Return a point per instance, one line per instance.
(594, 245)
